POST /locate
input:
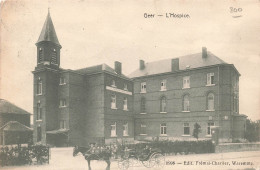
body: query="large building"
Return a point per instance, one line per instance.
(78, 106)
(171, 95)
(162, 99)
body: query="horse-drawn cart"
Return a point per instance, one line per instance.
(149, 157)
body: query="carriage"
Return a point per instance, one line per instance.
(148, 157)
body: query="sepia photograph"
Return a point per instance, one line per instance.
(129, 85)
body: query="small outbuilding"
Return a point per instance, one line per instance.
(14, 124)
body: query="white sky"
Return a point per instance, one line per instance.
(95, 32)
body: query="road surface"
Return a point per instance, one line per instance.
(62, 159)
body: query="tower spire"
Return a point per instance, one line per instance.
(48, 32)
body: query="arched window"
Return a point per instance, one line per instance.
(210, 101)
(113, 130)
(125, 129)
(40, 55)
(54, 57)
(186, 103)
(143, 103)
(163, 104)
(125, 104)
(39, 111)
(113, 101)
(163, 129)
(39, 87)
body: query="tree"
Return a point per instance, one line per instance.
(252, 132)
(196, 131)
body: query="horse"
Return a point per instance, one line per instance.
(98, 154)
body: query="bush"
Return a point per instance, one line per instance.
(24, 155)
(175, 147)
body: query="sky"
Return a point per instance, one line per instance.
(95, 32)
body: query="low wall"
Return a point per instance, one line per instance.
(237, 147)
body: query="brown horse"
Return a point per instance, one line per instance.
(98, 154)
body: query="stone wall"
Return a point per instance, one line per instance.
(237, 147)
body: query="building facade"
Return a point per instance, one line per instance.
(160, 99)
(93, 104)
(171, 95)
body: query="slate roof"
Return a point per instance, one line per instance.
(9, 108)
(98, 68)
(164, 66)
(48, 32)
(15, 126)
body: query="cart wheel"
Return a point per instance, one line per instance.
(158, 160)
(132, 162)
(123, 164)
(149, 163)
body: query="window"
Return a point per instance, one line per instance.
(113, 130)
(113, 83)
(39, 134)
(40, 55)
(143, 129)
(113, 101)
(39, 87)
(186, 82)
(186, 128)
(209, 128)
(143, 87)
(62, 103)
(54, 57)
(235, 83)
(163, 129)
(210, 102)
(62, 81)
(210, 79)
(125, 130)
(125, 87)
(62, 124)
(235, 103)
(186, 103)
(163, 85)
(143, 109)
(125, 103)
(39, 112)
(163, 104)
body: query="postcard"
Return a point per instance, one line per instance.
(129, 84)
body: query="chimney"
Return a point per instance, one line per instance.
(204, 52)
(175, 64)
(141, 64)
(118, 67)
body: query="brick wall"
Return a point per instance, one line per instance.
(94, 116)
(119, 115)
(48, 100)
(73, 113)
(198, 91)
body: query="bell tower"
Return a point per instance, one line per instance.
(46, 83)
(48, 46)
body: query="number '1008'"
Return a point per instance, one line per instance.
(235, 9)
